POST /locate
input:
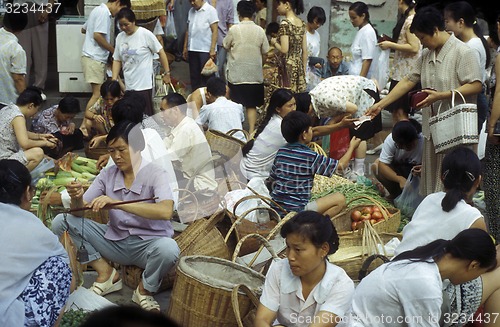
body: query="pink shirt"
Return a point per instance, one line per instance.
(147, 184)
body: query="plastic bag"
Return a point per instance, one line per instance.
(257, 184)
(170, 31)
(409, 199)
(481, 147)
(39, 171)
(339, 143)
(382, 66)
(87, 300)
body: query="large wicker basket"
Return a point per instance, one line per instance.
(202, 291)
(147, 9)
(223, 144)
(390, 223)
(202, 237)
(356, 247)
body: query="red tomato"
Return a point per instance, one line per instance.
(356, 215)
(366, 210)
(366, 216)
(377, 215)
(375, 209)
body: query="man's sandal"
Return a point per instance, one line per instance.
(147, 302)
(108, 286)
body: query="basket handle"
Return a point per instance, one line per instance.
(240, 218)
(236, 304)
(366, 264)
(272, 233)
(233, 131)
(371, 239)
(256, 195)
(189, 194)
(317, 148)
(261, 239)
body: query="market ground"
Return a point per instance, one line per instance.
(181, 72)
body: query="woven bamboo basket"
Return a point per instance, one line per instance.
(202, 237)
(390, 223)
(193, 206)
(236, 130)
(96, 152)
(356, 247)
(202, 293)
(223, 144)
(147, 9)
(248, 319)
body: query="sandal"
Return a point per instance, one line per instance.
(147, 302)
(108, 286)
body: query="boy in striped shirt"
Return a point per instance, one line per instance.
(295, 165)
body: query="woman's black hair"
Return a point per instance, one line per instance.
(130, 107)
(459, 171)
(130, 132)
(126, 13)
(317, 13)
(278, 99)
(404, 133)
(464, 10)
(297, 5)
(303, 101)
(111, 87)
(402, 18)
(246, 9)
(127, 316)
(470, 244)
(14, 179)
(426, 20)
(361, 8)
(313, 226)
(69, 105)
(272, 28)
(31, 94)
(294, 124)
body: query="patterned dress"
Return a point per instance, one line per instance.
(294, 63)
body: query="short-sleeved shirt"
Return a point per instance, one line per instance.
(99, 22)
(476, 44)
(45, 122)
(8, 140)
(293, 173)
(150, 181)
(282, 294)
(363, 48)
(199, 32)
(136, 54)
(223, 115)
(12, 61)
(328, 72)
(225, 12)
(392, 155)
(313, 44)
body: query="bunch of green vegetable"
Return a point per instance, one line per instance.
(74, 318)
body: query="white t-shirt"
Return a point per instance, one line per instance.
(391, 154)
(199, 32)
(404, 293)
(12, 61)
(136, 54)
(282, 294)
(99, 22)
(430, 222)
(259, 160)
(476, 44)
(363, 47)
(313, 44)
(223, 115)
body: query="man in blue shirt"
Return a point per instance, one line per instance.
(335, 65)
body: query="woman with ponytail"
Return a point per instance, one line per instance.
(460, 18)
(407, 48)
(364, 45)
(445, 214)
(36, 277)
(259, 152)
(408, 291)
(305, 289)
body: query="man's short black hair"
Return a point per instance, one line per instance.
(246, 9)
(294, 124)
(405, 132)
(176, 100)
(216, 86)
(15, 21)
(69, 105)
(130, 107)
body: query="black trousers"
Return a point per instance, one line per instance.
(196, 62)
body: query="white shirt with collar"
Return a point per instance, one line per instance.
(186, 144)
(99, 22)
(223, 115)
(283, 294)
(200, 34)
(12, 61)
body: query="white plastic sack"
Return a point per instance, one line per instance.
(382, 67)
(40, 169)
(389, 248)
(409, 199)
(481, 147)
(257, 184)
(170, 31)
(85, 299)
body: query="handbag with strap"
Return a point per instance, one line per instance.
(456, 126)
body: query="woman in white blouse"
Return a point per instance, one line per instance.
(305, 289)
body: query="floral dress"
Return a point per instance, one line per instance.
(293, 59)
(100, 108)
